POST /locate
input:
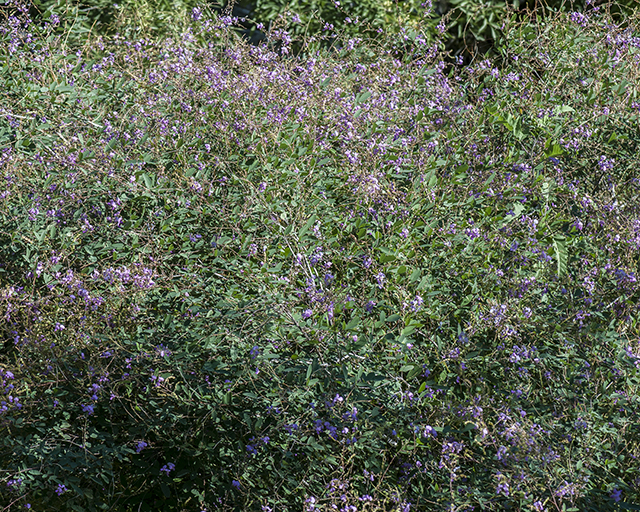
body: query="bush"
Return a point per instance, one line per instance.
(236, 279)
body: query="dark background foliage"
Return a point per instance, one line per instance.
(471, 26)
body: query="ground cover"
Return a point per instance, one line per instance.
(359, 278)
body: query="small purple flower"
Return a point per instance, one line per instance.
(473, 233)
(61, 489)
(579, 18)
(141, 446)
(88, 409)
(236, 484)
(291, 428)
(503, 488)
(616, 495)
(369, 306)
(416, 304)
(316, 257)
(605, 164)
(14, 483)
(168, 468)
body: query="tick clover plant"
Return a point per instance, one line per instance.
(360, 278)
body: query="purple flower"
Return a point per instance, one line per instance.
(291, 428)
(14, 483)
(579, 18)
(316, 257)
(88, 409)
(473, 233)
(236, 484)
(503, 488)
(616, 495)
(416, 304)
(168, 468)
(141, 446)
(61, 489)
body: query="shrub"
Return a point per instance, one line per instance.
(236, 279)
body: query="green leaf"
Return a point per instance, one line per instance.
(307, 226)
(165, 490)
(562, 109)
(414, 372)
(408, 330)
(363, 97)
(547, 188)
(148, 180)
(355, 322)
(561, 255)
(552, 150)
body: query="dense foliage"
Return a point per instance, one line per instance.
(468, 26)
(235, 279)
